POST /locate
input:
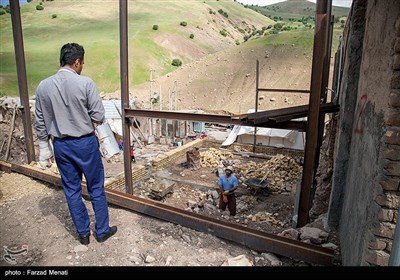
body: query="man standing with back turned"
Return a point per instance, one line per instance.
(67, 106)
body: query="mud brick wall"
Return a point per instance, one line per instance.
(174, 155)
(139, 172)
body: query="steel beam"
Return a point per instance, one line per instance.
(319, 52)
(123, 26)
(211, 118)
(251, 238)
(22, 80)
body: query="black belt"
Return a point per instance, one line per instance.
(74, 137)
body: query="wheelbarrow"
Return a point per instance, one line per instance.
(258, 185)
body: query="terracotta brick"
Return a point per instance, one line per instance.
(394, 98)
(389, 200)
(384, 229)
(380, 258)
(377, 244)
(396, 61)
(385, 215)
(392, 168)
(392, 137)
(395, 82)
(392, 153)
(390, 184)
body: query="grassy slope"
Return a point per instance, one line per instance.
(297, 9)
(226, 80)
(95, 25)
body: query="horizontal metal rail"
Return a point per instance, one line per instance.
(211, 118)
(254, 239)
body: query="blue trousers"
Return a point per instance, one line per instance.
(74, 157)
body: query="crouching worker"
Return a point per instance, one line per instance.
(228, 184)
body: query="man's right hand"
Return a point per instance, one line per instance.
(45, 154)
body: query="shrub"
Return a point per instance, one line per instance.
(183, 23)
(39, 7)
(29, 1)
(176, 62)
(155, 27)
(223, 32)
(2, 12)
(53, 16)
(191, 36)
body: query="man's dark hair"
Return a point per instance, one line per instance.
(70, 52)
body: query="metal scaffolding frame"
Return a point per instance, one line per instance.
(281, 119)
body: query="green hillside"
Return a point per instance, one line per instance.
(295, 9)
(215, 25)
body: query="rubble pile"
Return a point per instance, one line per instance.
(279, 171)
(214, 157)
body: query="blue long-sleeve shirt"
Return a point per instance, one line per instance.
(228, 183)
(67, 104)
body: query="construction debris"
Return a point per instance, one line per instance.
(159, 189)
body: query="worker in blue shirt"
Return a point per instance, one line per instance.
(228, 184)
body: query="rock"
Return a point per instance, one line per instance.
(290, 233)
(186, 238)
(80, 248)
(330, 246)
(240, 260)
(315, 235)
(272, 259)
(168, 261)
(134, 259)
(149, 259)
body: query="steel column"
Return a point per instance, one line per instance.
(22, 80)
(123, 29)
(319, 52)
(256, 105)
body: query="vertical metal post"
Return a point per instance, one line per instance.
(319, 52)
(22, 80)
(256, 107)
(324, 87)
(123, 26)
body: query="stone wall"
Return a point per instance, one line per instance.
(366, 192)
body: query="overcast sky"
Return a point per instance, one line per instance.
(341, 3)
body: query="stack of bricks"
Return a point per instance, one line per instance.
(380, 247)
(165, 159)
(117, 183)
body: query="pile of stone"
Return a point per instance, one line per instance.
(214, 157)
(265, 217)
(278, 171)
